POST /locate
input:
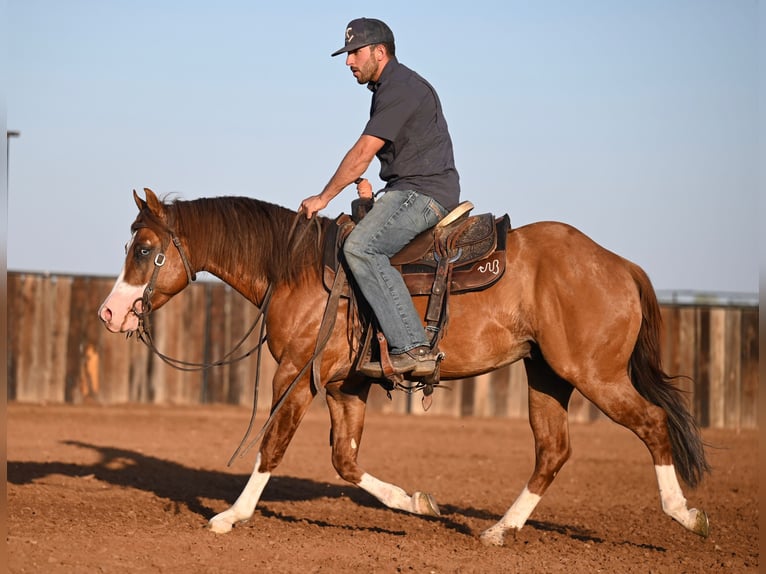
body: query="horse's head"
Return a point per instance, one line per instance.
(155, 269)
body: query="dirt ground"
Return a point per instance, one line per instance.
(130, 489)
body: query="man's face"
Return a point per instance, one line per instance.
(364, 64)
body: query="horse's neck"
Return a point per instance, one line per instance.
(242, 241)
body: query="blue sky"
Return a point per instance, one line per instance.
(634, 120)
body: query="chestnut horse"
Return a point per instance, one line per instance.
(579, 316)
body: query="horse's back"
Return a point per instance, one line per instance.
(552, 252)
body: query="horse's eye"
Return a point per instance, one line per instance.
(142, 250)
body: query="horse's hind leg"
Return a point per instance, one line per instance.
(273, 447)
(548, 399)
(347, 404)
(621, 402)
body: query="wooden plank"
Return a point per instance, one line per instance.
(518, 391)
(687, 344)
(717, 367)
(158, 371)
(670, 339)
(194, 320)
(467, 397)
(702, 367)
(581, 409)
(16, 320)
(233, 332)
(379, 402)
(749, 370)
(44, 310)
(78, 300)
(41, 315)
(112, 361)
(482, 399)
(732, 369)
(13, 322)
(141, 389)
(245, 370)
(32, 373)
(60, 314)
(172, 337)
(241, 315)
(499, 390)
(216, 384)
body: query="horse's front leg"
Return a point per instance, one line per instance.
(347, 404)
(244, 507)
(273, 447)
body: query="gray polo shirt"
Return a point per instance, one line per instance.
(417, 155)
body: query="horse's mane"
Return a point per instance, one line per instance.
(252, 234)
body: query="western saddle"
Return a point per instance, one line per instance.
(462, 253)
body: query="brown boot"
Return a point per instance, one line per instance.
(419, 362)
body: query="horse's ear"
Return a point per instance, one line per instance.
(140, 203)
(155, 205)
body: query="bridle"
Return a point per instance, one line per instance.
(159, 263)
(144, 324)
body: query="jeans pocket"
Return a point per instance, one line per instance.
(433, 212)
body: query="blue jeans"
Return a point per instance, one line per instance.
(397, 217)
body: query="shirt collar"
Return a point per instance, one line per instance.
(387, 71)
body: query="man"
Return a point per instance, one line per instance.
(408, 133)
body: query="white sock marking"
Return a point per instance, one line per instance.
(244, 507)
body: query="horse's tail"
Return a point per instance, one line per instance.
(657, 387)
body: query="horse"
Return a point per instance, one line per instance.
(578, 315)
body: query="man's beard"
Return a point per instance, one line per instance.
(368, 72)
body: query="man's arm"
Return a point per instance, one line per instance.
(354, 164)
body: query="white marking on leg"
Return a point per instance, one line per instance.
(353, 443)
(673, 501)
(244, 507)
(390, 495)
(515, 517)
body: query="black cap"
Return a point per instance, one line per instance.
(363, 32)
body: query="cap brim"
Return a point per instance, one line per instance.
(350, 48)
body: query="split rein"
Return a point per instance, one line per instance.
(144, 334)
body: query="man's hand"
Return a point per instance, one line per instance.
(364, 188)
(313, 204)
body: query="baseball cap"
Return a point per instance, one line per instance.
(363, 32)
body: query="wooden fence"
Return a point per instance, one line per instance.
(59, 352)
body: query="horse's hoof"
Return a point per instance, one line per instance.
(425, 504)
(492, 537)
(701, 523)
(219, 526)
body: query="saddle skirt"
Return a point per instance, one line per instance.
(474, 246)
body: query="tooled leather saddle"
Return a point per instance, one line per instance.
(472, 245)
(462, 253)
